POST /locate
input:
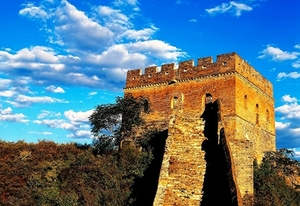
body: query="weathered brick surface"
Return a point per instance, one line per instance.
(246, 110)
(183, 168)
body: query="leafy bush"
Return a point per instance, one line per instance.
(276, 180)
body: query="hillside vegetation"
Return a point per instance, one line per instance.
(49, 174)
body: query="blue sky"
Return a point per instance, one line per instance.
(59, 58)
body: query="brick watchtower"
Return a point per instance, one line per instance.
(245, 113)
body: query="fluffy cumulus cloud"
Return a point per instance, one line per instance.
(277, 54)
(76, 123)
(92, 49)
(33, 11)
(288, 124)
(56, 123)
(7, 93)
(288, 98)
(296, 64)
(54, 89)
(232, 7)
(77, 117)
(77, 31)
(7, 115)
(292, 75)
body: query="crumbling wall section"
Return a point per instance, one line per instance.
(242, 157)
(183, 168)
(235, 193)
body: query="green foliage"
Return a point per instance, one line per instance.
(103, 144)
(67, 175)
(112, 123)
(276, 180)
(71, 174)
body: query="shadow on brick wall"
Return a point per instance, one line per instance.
(216, 187)
(145, 189)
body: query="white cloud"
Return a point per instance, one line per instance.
(25, 101)
(55, 89)
(76, 123)
(8, 110)
(288, 98)
(118, 74)
(277, 54)
(113, 17)
(40, 133)
(292, 75)
(87, 45)
(231, 7)
(238, 7)
(92, 93)
(296, 64)
(30, 100)
(81, 134)
(34, 58)
(81, 79)
(296, 152)
(38, 54)
(193, 20)
(281, 125)
(143, 34)
(297, 46)
(131, 3)
(288, 128)
(7, 93)
(4, 83)
(45, 113)
(7, 115)
(157, 49)
(56, 123)
(289, 110)
(78, 116)
(33, 11)
(77, 31)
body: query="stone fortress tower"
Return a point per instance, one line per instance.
(178, 98)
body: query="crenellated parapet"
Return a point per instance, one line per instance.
(225, 64)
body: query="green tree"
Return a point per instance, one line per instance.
(116, 125)
(276, 180)
(112, 123)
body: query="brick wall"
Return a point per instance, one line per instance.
(246, 106)
(183, 168)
